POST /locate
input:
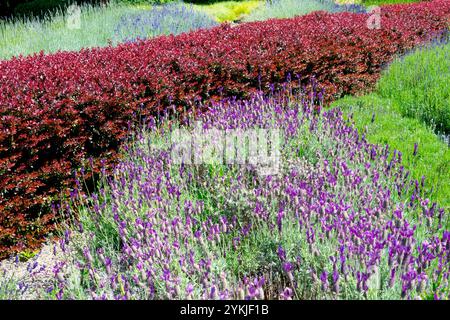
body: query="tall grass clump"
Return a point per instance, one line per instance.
(384, 2)
(99, 27)
(418, 86)
(290, 8)
(340, 219)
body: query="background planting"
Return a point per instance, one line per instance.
(290, 8)
(44, 8)
(159, 20)
(77, 106)
(341, 220)
(424, 153)
(228, 10)
(383, 2)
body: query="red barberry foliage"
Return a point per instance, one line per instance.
(56, 110)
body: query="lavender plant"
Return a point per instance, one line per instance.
(290, 8)
(171, 18)
(26, 279)
(341, 219)
(9, 288)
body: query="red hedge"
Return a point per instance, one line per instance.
(57, 110)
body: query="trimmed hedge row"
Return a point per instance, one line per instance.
(57, 110)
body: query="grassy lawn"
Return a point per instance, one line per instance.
(226, 11)
(401, 133)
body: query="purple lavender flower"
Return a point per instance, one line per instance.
(287, 294)
(281, 253)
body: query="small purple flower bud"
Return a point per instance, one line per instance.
(281, 253)
(415, 149)
(324, 280)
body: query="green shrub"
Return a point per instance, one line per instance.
(418, 86)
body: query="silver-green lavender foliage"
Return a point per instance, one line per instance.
(97, 27)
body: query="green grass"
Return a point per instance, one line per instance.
(401, 133)
(226, 11)
(8, 287)
(287, 9)
(418, 86)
